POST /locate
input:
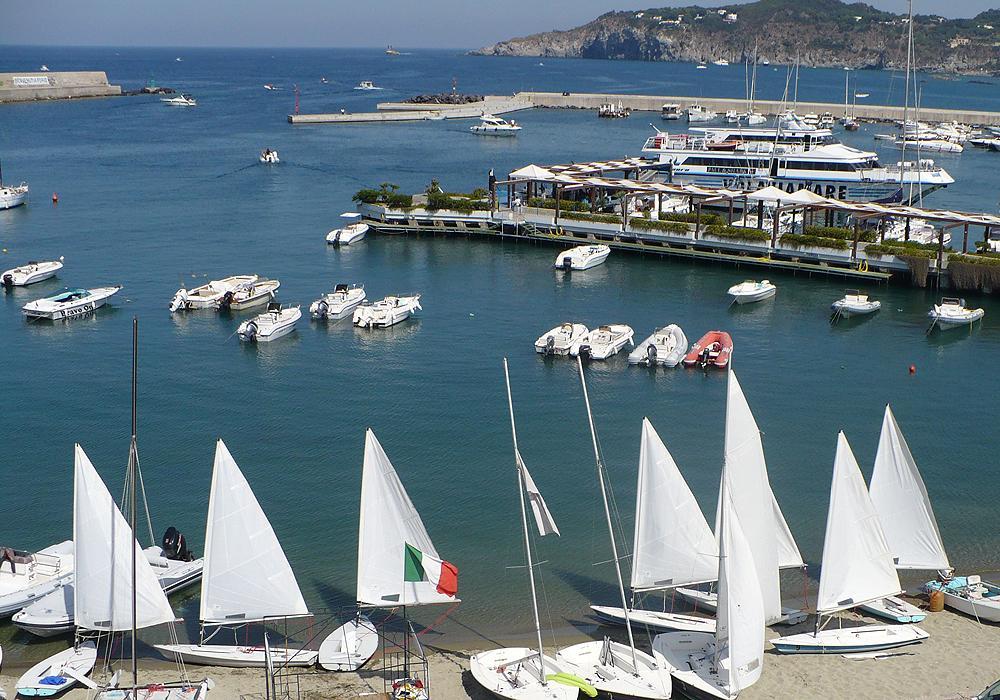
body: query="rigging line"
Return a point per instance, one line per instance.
(145, 503)
(545, 597)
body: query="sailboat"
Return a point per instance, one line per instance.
(857, 569)
(616, 669)
(247, 577)
(723, 664)
(517, 673)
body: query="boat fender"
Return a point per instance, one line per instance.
(574, 681)
(913, 369)
(651, 354)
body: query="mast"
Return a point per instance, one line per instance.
(524, 524)
(607, 514)
(132, 459)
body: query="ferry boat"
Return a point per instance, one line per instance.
(792, 158)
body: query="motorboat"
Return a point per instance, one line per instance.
(618, 670)
(249, 295)
(44, 68)
(389, 51)
(353, 232)
(52, 615)
(366, 85)
(59, 672)
(490, 125)
(582, 257)
(970, 595)
(720, 62)
(386, 312)
(952, 313)
(515, 673)
(920, 231)
(208, 295)
(701, 66)
(270, 86)
(350, 646)
(715, 349)
(28, 576)
(928, 144)
(269, 157)
(69, 303)
(665, 346)
(180, 101)
(560, 339)
(603, 342)
(671, 111)
(12, 195)
(338, 303)
(30, 273)
(270, 325)
(855, 303)
(698, 114)
(752, 291)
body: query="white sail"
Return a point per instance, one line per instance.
(544, 521)
(857, 564)
(388, 523)
(673, 544)
(901, 500)
(739, 631)
(103, 547)
(789, 556)
(247, 576)
(753, 501)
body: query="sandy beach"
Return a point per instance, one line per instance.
(958, 660)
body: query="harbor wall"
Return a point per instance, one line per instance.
(56, 85)
(407, 111)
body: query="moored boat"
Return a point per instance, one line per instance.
(582, 257)
(665, 346)
(366, 85)
(970, 595)
(855, 303)
(715, 349)
(560, 339)
(671, 111)
(208, 295)
(339, 303)
(269, 157)
(603, 342)
(270, 325)
(29, 576)
(249, 295)
(386, 312)
(13, 195)
(952, 313)
(697, 114)
(350, 233)
(30, 273)
(752, 291)
(69, 303)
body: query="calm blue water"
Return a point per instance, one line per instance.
(151, 195)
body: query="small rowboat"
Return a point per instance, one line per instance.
(714, 349)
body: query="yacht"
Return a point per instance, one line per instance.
(791, 158)
(180, 101)
(490, 125)
(339, 303)
(389, 51)
(31, 273)
(269, 157)
(386, 312)
(270, 325)
(560, 339)
(952, 313)
(582, 257)
(70, 303)
(207, 296)
(12, 195)
(698, 114)
(603, 342)
(353, 232)
(366, 85)
(671, 112)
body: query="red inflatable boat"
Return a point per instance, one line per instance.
(714, 349)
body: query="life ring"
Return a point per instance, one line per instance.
(863, 266)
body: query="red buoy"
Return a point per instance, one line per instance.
(913, 369)
(55, 198)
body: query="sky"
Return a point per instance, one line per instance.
(347, 23)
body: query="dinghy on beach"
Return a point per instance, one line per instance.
(59, 672)
(350, 646)
(665, 346)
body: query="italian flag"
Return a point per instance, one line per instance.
(418, 567)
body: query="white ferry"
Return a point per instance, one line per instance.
(790, 158)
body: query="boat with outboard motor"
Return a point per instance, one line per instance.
(339, 303)
(582, 257)
(184, 100)
(952, 313)
(12, 195)
(270, 325)
(366, 85)
(69, 303)
(561, 339)
(30, 273)
(249, 295)
(491, 125)
(386, 312)
(603, 342)
(665, 346)
(752, 291)
(715, 349)
(350, 233)
(207, 296)
(269, 157)
(855, 303)
(33, 575)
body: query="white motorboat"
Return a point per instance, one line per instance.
(180, 101)
(754, 118)
(338, 303)
(366, 85)
(30, 273)
(855, 303)
(561, 339)
(353, 232)
(933, 145)
(920, 231)
(13, 195)
(847, 580)
(970, 595)
(671, 111)
(269, 86)
(350, 646)
(952, 313)
(59, 672)
(582, 257)
(386, 312)
(490, 125)
(752, 291)
(44, 68)
(29, 576)
(208, 295)
(665, 346)
(239, 540)
(697, 114)
(720, 62)
(270, 325)
(249, 295)
(603, 342)
(269, 157)
(69, 303)
(515, 673)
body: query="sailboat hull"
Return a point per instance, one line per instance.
(67, 665)
(191, 691)
(850, 640)
(655, 620)
(236, 656)
(690, 654)
(613, 674)
(895, 609)
(506, 674)
(350, 646)
(708, 601)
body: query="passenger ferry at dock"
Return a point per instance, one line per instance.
(793, 158)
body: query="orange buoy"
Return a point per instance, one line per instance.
(913, 369)
(55, 198)
(936, 600)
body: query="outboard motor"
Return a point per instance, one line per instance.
(550, 345)
(226, 301)
(175, 546)
(651, 355)
(322, 308)
(585, 353)
(251, 332)
(8, 280)
(567, 263)
(336, 237)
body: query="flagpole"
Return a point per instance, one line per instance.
(524, 524)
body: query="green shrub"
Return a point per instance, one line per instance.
(602, 218)
(564, 204)
(653, 225)
(440, 200)
(366, 196)
(979, 259)
(800, 240)
(400, 201)
(738, 233)
(912, 249)
(707, 218)
(842, 232)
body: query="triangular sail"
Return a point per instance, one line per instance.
(388, 523)
(857, 565)
(901, 500)
(673, 544)
(789, 556)
(753, 501)
(103, 548)
(247, 576)
(739, 630)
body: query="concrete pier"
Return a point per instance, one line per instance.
(56, 85)
(408, 112)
